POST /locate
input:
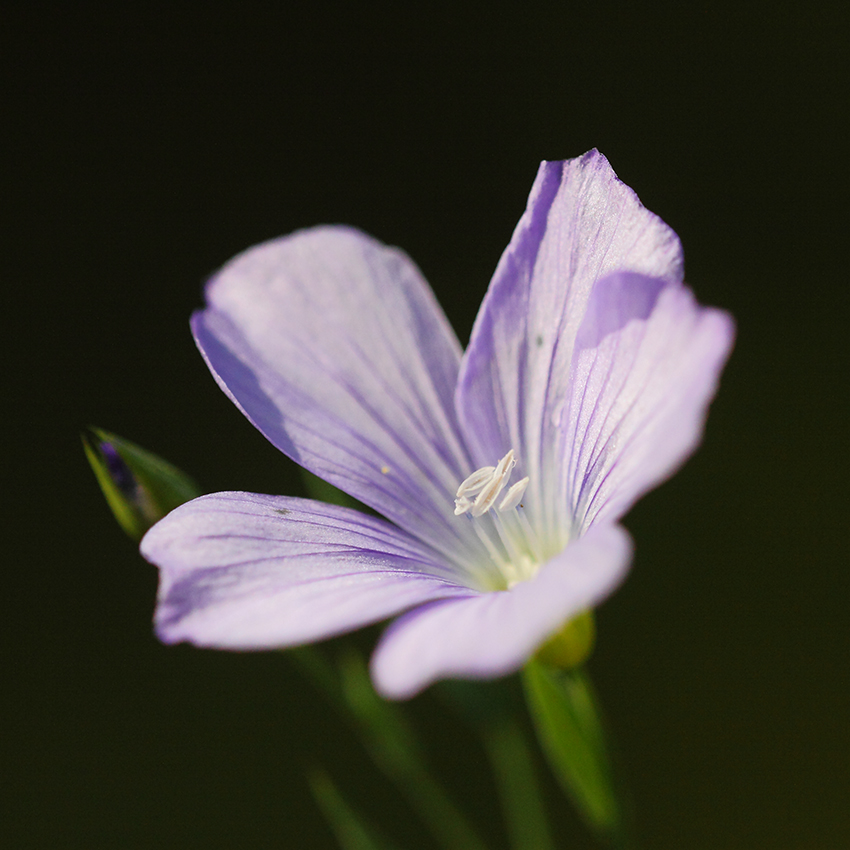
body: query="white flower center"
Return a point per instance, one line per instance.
(505, 531)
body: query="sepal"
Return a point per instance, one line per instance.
(567, 720)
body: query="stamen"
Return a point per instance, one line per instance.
(506, 464)
(507, 534)
(529, 535)
(488, 495)
(514, 495)
(491, 548)
(509, 541)
(476, 481)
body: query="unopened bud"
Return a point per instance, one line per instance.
(140, 487)
(572, 645)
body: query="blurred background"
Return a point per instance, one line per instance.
(150, 143)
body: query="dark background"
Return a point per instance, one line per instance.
(148, 145)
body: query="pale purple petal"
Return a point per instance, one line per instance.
(246, 571)
(581, 224)
(646, 364)
(589, 359)
(494, 634)
(335, 348)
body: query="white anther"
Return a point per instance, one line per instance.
(505, 465)
(462, 505)
(476, 481)
(485, 499)
(514, 496)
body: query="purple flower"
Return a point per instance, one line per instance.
(501, 471)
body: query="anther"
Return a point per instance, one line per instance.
(514, 495)
(490, 492)
(476, 481)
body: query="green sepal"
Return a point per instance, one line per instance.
(349, 829)
(140, 487)
(566, 718)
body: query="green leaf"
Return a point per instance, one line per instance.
(383, 724)
(516, 779)
(349, 829)
(394, 748)
(140, 487)
(390, 742)
(568, 725)
(492, 710)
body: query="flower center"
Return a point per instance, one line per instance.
(500, 523)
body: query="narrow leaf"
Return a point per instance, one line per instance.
(347, 826)
(140, 487)
(492, 710)
(519, 791)
(566, 718)
(391, 743)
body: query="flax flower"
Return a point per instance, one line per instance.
(499, 473)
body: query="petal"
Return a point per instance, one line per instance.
(646, 364)
(335, 348)
(246, 571)
(495, 633)
(581, 224)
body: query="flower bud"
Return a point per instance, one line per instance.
(572, 645)
(140, 487)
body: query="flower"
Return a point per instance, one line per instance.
(499, 473)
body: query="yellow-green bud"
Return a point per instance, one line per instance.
(571, 645)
